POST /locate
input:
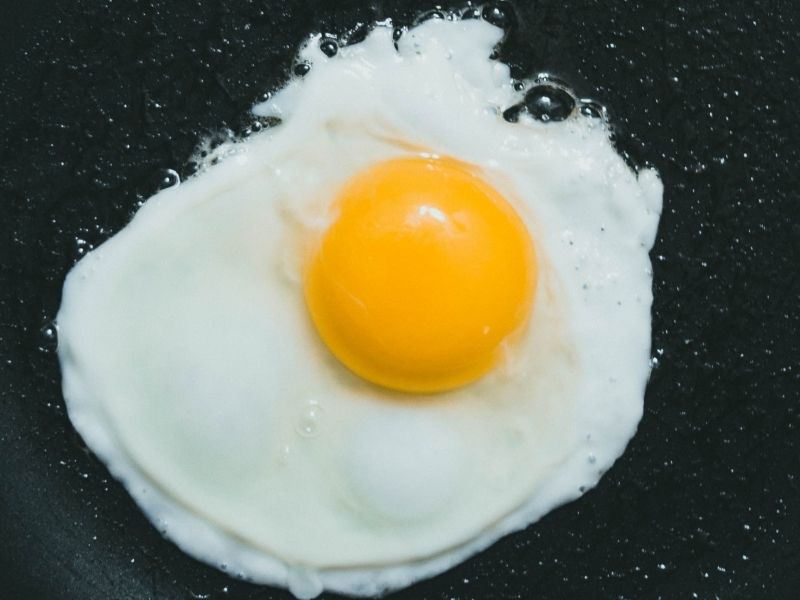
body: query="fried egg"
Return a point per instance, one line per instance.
(375, 338)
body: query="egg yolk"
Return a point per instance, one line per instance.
(423, 276)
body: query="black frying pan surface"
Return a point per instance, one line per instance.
(98, 99)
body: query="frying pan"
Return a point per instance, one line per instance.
(99, 101)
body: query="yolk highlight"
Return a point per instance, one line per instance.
(423, 275)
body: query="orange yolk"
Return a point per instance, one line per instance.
(423, 276)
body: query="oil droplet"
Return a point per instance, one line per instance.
(549, 103)
(511, 114)
(49, 337)
(500, 14)
(594, 110)
(328, 47)
(302, 69)
(170, 179)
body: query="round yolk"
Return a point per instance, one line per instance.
(423, 276)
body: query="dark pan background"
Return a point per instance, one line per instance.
(98, 99)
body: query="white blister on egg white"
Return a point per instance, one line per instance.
(190, 366)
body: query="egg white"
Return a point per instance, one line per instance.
(191, 368)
